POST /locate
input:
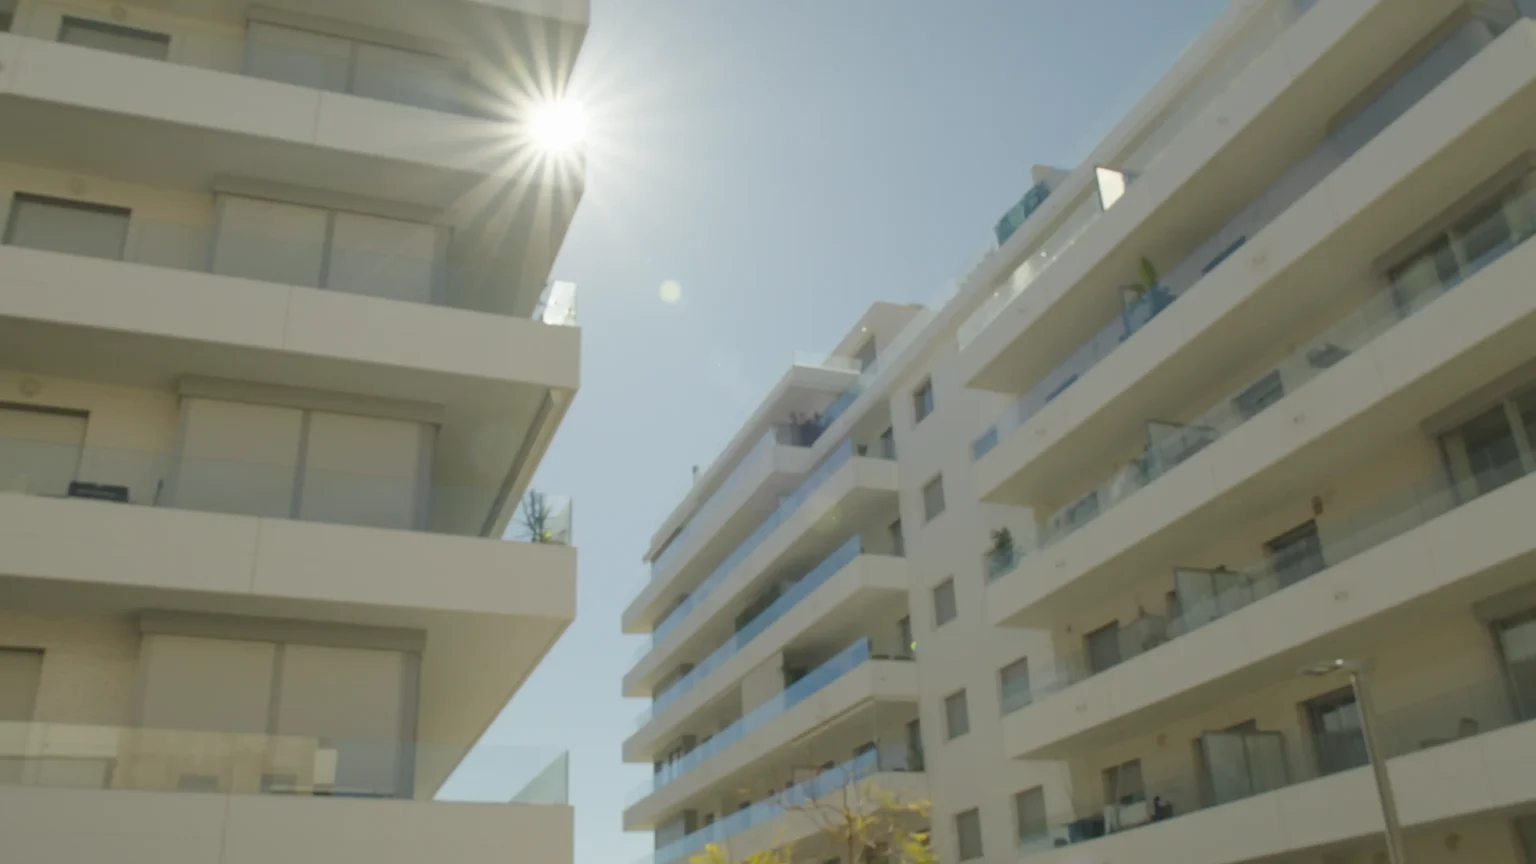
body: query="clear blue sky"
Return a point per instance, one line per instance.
(786, 163)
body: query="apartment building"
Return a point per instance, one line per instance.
(1250, 391)
(279, 356)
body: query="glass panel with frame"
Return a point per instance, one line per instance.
(65, 225)
(1517, 645)
(1338, 738)
(106, 36)
(1495, 447)
(1103, 647)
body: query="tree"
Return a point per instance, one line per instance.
(534, 517)
(869, 824)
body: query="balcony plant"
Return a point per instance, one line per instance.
(1000, 556)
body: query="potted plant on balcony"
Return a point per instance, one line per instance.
(1000, 557)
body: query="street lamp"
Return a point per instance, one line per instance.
(1357, 675)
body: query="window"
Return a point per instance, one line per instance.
(957, 715)
(1296, 554)
(1029, 814)
(1467, 246)
(898, 542)
(1122, 783)
(1103, 647)
(968, 834)
(1081, 512)
(1495, 447)
(61, 225)
(114, 37)
(227, 685)
(1526, 828)
(1264, 393)
(20, 671)
(915, 745)
(904, 636)
(1013, 682)
(1337, 738)
(922, 401)
(341, 65)
(1517, 645)
(287, 463)
(944, 607)
(7, 14)
(39, 449)
(351, 252)
(933, 498)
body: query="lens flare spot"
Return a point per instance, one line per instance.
(670, 292)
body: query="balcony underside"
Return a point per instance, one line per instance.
(489, 610)
(46, 826)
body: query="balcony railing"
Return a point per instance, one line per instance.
(399, 501)
(78, 756)
(1410, 86)
(1174, 444)
(1265, 27)
(303, 58)
(1244, 765)
(787, 507)
(802, 589)
(1342, 539)
(882, 759)
(833, 670)
(391, 273)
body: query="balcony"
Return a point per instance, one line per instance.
(852, 677)
(788, 512)
(1263, 28)
(715, 507)
(864, 586)
(807, 584)
(1146, 300)
(1267, 118)
(774, 822)
(1205, 597)
(1362, 332)
(84, 792)
(194, 129)
(1460, 753)
(396, 498)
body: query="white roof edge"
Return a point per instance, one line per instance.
(570, 11)
(746, 436)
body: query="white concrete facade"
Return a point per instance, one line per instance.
(279, 356)
(1253, 387)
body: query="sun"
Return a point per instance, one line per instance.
(558, 126)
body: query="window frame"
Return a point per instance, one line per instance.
(979, 851)
(1002, 686)
(948, 587)
(924, 402)
(1113, 628)
(20, 198)
(112, 28)
(1114, 777)
(929, 513)
(965, 715)
(1019, 798)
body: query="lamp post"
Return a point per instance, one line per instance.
(1357, 682)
